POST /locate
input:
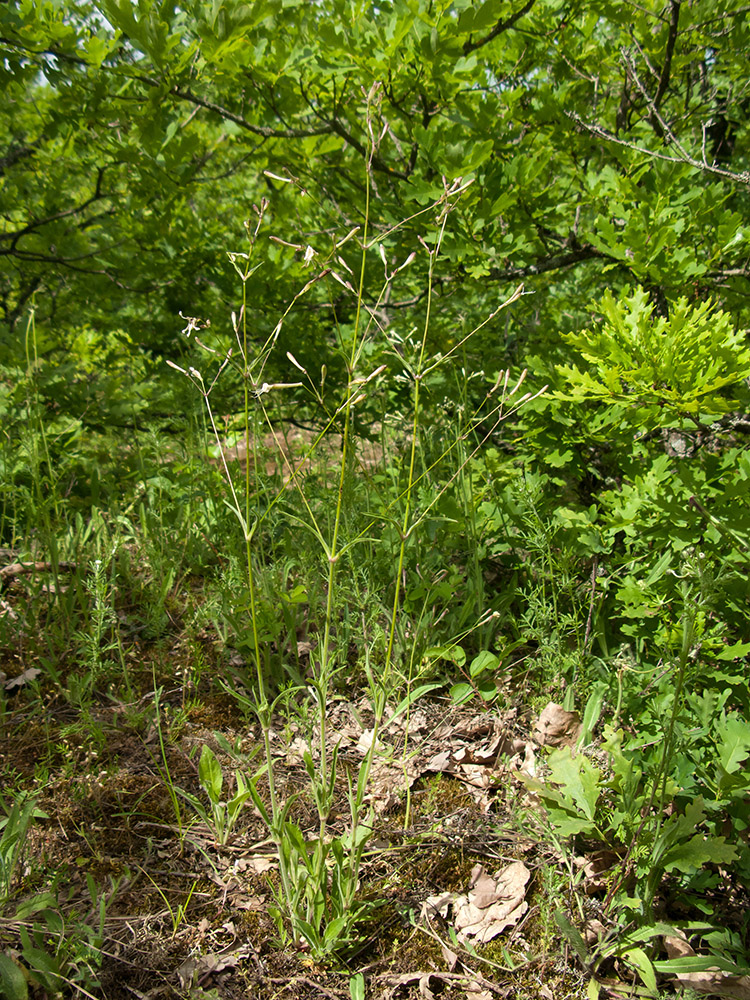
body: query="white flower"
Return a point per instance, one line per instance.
(193, 324)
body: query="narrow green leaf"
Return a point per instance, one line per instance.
(357, 987)
(209, 773)
(573, 936)
(412, 696)
(699, 963)
(643, 965)
(333, 931)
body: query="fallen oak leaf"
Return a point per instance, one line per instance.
(441, 762)
(198, 969)
(24, 678)
(484, 889)
(475, 991)
(450, 956)
(555, 727)
(7, 611)
(471, 981)
(438, 905)
(257, 863)
(491, 906)
(597, 867)
(407, 978)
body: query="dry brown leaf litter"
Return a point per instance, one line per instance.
(227, 935)
(492, 904)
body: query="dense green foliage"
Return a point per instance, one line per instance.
(139, 136)
(360, 185)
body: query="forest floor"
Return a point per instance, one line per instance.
(186, 916)
(467, 890)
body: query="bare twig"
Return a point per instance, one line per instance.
(685, 157)
(16, 569)
(660, 126)
(264, 130)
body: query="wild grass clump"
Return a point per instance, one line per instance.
(383, 514)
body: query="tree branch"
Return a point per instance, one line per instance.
(668, 52)
(655, 116)
(500, 27)
(325, 128)
(685, 157)
(44, 52)
(15, 236)
(554, 263)
(730, 272)
(338, 128)
(50, 259)
(12, 315)
(570, 259)
(263, 130)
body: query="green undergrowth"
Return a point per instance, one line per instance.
(402, 531)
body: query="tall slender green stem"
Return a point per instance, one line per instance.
(333, 549)
(405, 526)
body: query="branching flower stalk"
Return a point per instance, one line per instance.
(262, 707)
(325, 781)
(244, 268)
(319, 878)
(442, 221)
(304, 875)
